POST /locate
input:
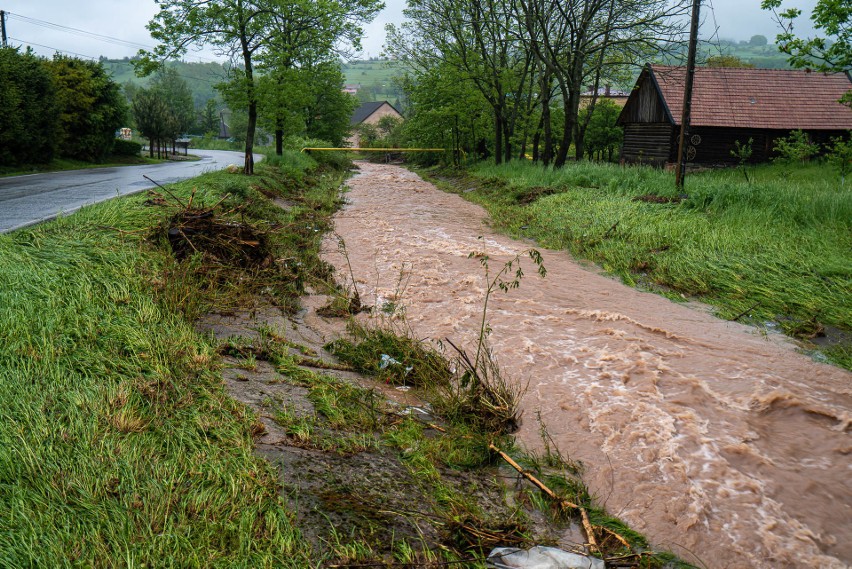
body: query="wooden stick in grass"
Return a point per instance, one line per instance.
(587, 525)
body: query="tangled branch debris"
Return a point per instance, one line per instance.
(584, 515)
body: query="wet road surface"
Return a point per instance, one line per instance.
(30, 199)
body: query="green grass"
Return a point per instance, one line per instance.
(371, 71)
(118, 443)
(206, 143)
(777, 250)
(378, 76)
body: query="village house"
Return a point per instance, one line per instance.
(729, 105)
(369, 113)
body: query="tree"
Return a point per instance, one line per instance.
(758, 41)
(832, 53)
(447, 111)
(238, 28)
(152, 118)
(329, 109)
(130, 89)
(578, 40)
(477, 41)
(209, 119)
(91, 105)
(28, 112)
(797, 147)
(727, 61)
(306, 47)
(840, 155)
(174, 91)
(603, 135)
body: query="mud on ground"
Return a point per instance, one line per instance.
(354, 496)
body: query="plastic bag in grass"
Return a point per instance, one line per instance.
(540, 557)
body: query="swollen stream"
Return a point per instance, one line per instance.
(726, 446)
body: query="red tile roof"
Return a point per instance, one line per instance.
(758, 98)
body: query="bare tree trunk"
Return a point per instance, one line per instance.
(252, 125)
(279, 136)
(537, 139)
(567, 132)
(498, 137)
(251, 94)
(547, 156)
(507, 141)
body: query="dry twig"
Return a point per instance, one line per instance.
(584, 515)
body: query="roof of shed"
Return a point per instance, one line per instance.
(781, 99)
(367, 109)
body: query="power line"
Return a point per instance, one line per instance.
(56, 49)
(92, 35)
(96, 36)
(78, 32)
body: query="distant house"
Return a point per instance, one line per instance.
(617, 96)
(729, 105)
(351, 89)
(369, 113)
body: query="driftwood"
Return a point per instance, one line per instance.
(321, 364)
(584, 515)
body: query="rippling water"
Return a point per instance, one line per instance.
(711, 439)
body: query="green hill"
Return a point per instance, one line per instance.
(374, 79)
(763, 57)
(200, 77)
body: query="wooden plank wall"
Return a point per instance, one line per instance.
(648, 143)
(717, 143)
(645, 105)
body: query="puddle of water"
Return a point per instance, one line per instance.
(701, 433)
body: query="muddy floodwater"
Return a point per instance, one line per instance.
(718, 442)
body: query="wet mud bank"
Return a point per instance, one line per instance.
(728, 447)
(356, 495)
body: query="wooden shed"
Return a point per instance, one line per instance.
(729, 105)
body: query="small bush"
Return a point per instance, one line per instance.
(795, 148)
(395, 359)
(126, 148)
(840, 155)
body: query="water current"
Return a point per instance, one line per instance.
(719, 443)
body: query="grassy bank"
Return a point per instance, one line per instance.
(118, 443)
(774, 252)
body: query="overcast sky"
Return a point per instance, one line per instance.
(126, 19)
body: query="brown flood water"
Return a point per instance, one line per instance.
(716, 442)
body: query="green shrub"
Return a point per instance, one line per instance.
(795, 148)
(840, 155)
(126, 148)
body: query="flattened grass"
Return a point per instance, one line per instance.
(774, 252)
(118, 443)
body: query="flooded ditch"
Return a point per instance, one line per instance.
(722, 444)
(354, 499)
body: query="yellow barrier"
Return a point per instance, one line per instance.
(381, 149)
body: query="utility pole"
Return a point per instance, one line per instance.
(3, 27)
(680, 173)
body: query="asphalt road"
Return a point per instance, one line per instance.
(30, 199)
